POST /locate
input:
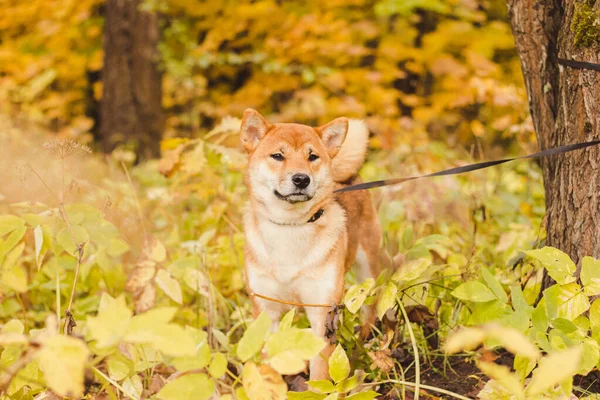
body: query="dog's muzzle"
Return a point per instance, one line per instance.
(296, 197)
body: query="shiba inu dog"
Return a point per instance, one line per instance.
(301, 237)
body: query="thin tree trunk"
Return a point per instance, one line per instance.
(131, 109)
(565, 107)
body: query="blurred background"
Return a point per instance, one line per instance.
(156, 89)
(124, 73)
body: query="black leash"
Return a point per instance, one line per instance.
(487, 164)
(471, 167)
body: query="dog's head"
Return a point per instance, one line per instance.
(290, 164)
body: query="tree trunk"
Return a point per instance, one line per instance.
(565, 107)
(131, 109)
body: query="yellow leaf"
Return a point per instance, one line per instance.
(195, 386)
(263, 383)
(63, 359)
(170, 286)
(109, 326)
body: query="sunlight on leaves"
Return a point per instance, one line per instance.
(254, 337)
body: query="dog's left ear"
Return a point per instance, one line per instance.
(254, 127)
(333, 135)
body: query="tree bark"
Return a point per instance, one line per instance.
(565, 107)
(131, 109)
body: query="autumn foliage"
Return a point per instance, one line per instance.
(128, 273)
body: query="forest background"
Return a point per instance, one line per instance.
(125, 247)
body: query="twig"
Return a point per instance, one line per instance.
(415, 350)
(115, 384)
(43, 182)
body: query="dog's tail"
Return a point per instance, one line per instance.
(351, 156)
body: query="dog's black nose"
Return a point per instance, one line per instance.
(301, 180)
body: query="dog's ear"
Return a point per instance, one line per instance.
(333, 135)
(254, 127)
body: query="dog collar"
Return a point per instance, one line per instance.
(312, 219)
(316, 216)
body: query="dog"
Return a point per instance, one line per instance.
(301, 236)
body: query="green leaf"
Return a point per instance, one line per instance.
(12, 257)
(14, 238)
(564, 325)
(9, 223)
(595, 314)
(288, 349)
(117, 247)
(553, 369)
(339, 366)
(109, 326)
(321, 386)
(589, 356)
(65, 239)
(518, 320)
(119, 366)
(200, 360)
(288, 318)
(590, 276)
(156, 316)
(218, 366)
(196, 386)
(351, 383)
(357, 294)
(170, 339)
(15, 278)
(411, 270)
(473, 291)
(523, 366)
(254, 337)
(518, 300)
(13, 326)
(387, 299)
(539, 317)
(202, 356)
(170, 286)
(493, 284)
(559, 265)
(565, 301)
(12, 334)
(63, 360)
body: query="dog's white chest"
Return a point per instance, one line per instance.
(286, 252)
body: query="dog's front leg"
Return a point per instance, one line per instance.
(319, 365)
(325, 288)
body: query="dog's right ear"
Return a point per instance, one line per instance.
(254, 127)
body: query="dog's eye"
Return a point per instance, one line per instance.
(277, 156)
(313, 157)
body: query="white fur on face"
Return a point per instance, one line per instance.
(264, 182)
